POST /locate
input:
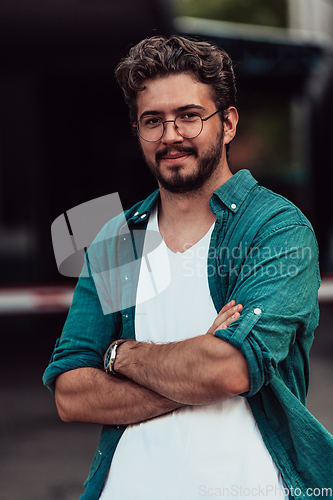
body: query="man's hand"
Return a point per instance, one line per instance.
(229, 313)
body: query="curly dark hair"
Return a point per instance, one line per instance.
(160, 56)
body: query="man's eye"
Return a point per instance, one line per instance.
(151, 122)
(190, 117)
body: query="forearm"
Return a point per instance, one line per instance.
(90, 395)
(196, 371)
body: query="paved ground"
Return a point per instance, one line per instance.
(42, 458)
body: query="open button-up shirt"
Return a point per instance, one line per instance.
(263, 254)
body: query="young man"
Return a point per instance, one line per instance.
(193, 404)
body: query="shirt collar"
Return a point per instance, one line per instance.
(142, 211)
(233, 192)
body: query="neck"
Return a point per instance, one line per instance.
(185, 218)
(191, 204)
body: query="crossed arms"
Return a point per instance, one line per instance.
(157, 378)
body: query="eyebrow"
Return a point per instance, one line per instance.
(154, 112)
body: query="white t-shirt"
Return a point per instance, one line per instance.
(211, 450)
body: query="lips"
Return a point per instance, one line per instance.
(175, 154)
(175, 157)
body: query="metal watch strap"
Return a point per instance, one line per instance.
(110, 357)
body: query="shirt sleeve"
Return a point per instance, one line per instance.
(277, 284)
(86, 335)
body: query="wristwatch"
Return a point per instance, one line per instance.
(110, 357)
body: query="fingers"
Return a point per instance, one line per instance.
(229, 316)
(229, 313)
(227, 307)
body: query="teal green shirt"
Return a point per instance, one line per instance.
(263, 254)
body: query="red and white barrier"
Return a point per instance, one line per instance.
(35, 299)
(58, 298)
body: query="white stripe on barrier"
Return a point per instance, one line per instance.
(326, 290)
(34, 300)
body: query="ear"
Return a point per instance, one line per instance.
(230, 124)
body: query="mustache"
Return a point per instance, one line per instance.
(179, 149)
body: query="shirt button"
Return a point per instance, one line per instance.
(257, 311)
(233, 206)
(136, 213)
(126, 315)
(124, 238)
(126, 277)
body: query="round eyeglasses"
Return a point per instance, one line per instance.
(188, 125)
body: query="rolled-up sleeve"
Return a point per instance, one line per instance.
(86, 335)
(277, 283)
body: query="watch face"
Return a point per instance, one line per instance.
(107, 358)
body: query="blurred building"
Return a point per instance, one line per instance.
(65, 137)
(314, 19)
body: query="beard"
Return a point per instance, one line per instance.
(180, 183)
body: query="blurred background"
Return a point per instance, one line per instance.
(65, 139)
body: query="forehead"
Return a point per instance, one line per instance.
(167, 94)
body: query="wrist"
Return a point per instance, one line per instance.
(121, 356)
(111, 356)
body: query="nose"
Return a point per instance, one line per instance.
(171, 135)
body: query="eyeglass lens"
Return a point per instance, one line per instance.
(151, 128)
